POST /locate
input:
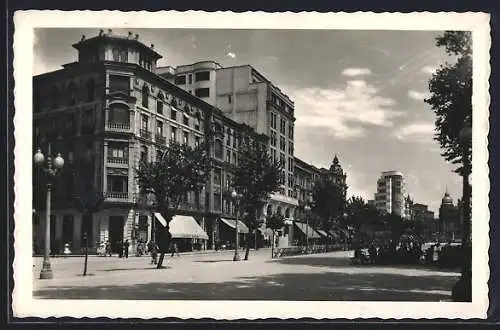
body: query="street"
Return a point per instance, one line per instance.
(214, 276)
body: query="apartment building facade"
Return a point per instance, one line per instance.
(106, 112)
(248, 97)
(391, 192)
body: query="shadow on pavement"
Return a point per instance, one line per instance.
(287, 286)
(212, 261)
(346, 262)
(132, 268)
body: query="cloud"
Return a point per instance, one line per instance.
(352, 72)
(345, 112)
(421, 132)
(419, 96)
(231, 55)
(429, 69)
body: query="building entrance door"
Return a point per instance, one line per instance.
(116, 224)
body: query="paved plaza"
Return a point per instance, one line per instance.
(214, 276)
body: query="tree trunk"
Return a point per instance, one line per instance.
(272, 245)
(247, 242)
(86, 254)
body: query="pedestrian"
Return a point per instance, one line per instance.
(108, 248)
(154, 253)
(120, 249)
(125, 248)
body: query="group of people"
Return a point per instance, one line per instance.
(105, 249)
(408, 252)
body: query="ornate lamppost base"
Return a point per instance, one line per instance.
(236, 257)
(46, 272)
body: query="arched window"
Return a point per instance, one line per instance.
(159, 103)
(279, 211)
(144, 154)
(218, 148)
(119, 114)
(145, 96)
(287, 213)
(90, 90)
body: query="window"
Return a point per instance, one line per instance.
(144, 122)
(282, 143)
(180, 80)
(145, 96)
(71, 94)
(173, 134)
(116, 54)
(197, 124)
(119, 84)
(290, 164)
(144, 154)
(273, 139)
(120, 55)
(290, 148)
(282, 159)
(159, 104)
(185, 120)
(196, 141)
(283, 126)
(218, 148)
(90, 90)
(217, 176)
(190, 79)
(217, 202)
(173, 114)
(202, 92)
(202, 76)
(119, 114)
(274, 120)
(290, 131)
(228, 156)
(228, 138)
(117, 151)
(159, 128)
(229, 99)
(117, 183)
(159, 154)
(185, 137)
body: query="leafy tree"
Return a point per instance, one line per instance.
(328, 202)
(180, 170)
(255, 178)
(274, 222)
(451, 94)
(396, 224)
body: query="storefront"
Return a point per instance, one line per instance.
(227, 233)
(186, 232)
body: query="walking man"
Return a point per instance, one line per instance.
(174, 249)
(125, 248)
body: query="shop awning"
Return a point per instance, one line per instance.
(183, 226)
(322, 232)
(307, 230)
(242, 228)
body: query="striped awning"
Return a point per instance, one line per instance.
(183, 226)
(242, 228)
(307, 230)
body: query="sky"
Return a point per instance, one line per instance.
(358, 93)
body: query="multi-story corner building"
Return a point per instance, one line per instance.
(106, 112)
(248, 97)
(390, 195)
(450, 227)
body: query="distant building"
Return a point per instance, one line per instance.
(421, 212)
(390, 195)
(371, 202)
(450, 227)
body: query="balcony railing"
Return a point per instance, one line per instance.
(118, 195)
(117, 160)
(145, 134)
(160, 139)
(118, 127)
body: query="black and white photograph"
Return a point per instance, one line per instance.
(295, 163)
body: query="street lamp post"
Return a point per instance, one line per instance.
(307, 209)
(51, 168)
(237, 197)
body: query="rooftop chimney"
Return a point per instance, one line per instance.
(136, 37)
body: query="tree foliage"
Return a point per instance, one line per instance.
(275, 221)
(255, 178)
(360, 213)
(328, 202)
(180, 170)
(451, 94)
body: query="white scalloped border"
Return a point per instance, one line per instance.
(23, 303)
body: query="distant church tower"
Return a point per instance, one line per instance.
(337, 175)
(449, 218)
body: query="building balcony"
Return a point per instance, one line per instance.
(145, 134)
(118, 127)
(117, 160)
(113, 196)
(160, 139)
